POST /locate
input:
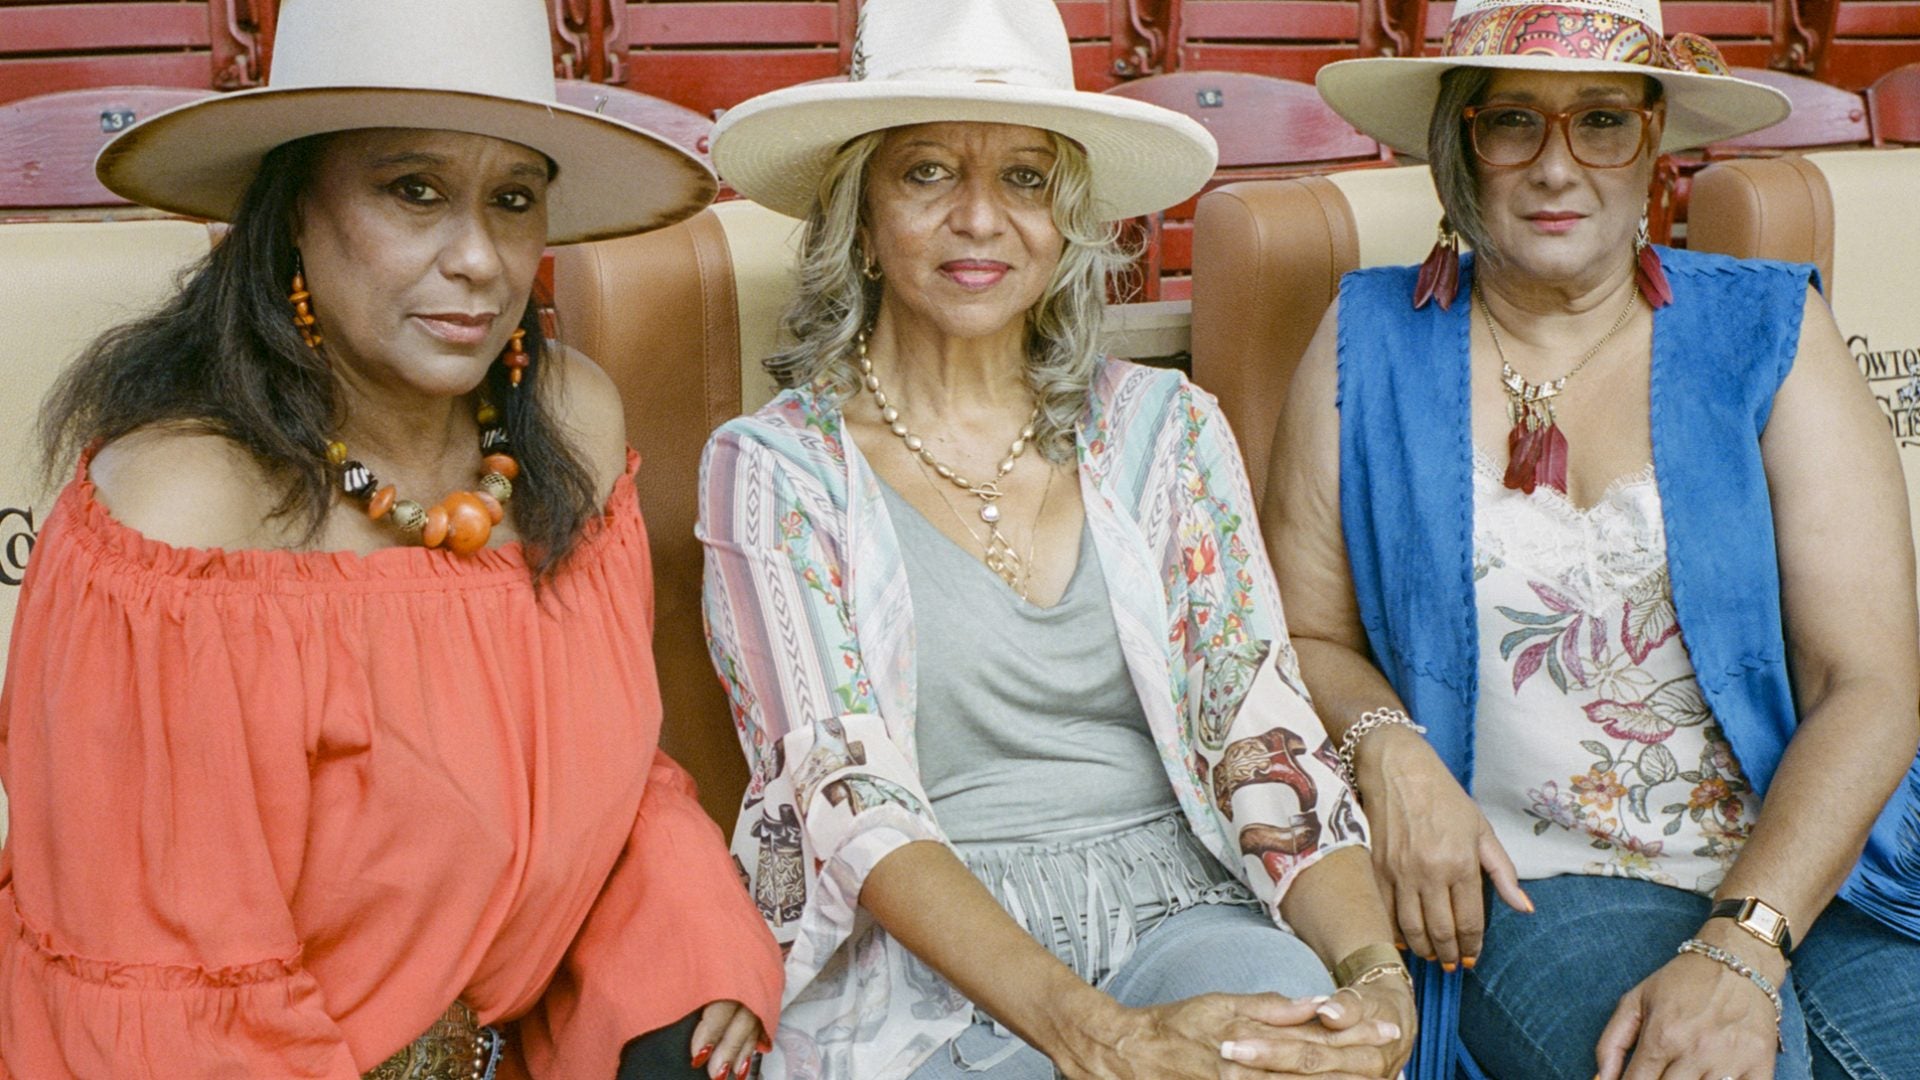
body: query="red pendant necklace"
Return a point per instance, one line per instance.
(1536, 449)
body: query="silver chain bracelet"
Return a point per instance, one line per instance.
(1739, 967)
(1370, 721)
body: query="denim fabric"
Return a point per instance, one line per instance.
(1859, 985)
(1547, 983)
(1209, 949)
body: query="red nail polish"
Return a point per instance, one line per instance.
(743, 1068)
(701, 1055)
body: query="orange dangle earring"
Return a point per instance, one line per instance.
(302, 302)
(516, 357)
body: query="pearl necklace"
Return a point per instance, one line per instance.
(1000, 556)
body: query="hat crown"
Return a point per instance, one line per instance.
(497, 48)
(1018, 42)
(1645, 12)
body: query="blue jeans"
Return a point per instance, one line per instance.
(1207, 949)
(1546, 984)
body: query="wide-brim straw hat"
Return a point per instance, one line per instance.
(483, 67)
(1392, 98)
(933, 61)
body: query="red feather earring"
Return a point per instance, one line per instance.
(1648, 272)
(1439, 278)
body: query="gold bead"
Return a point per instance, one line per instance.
(337, 453)
(497, 486)
(408, 516)
(488, 414)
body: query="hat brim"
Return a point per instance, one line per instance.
(614, 179)
(1392, 98)
(775, 148)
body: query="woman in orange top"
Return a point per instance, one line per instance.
(322, 762)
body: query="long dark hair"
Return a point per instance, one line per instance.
(224, 356)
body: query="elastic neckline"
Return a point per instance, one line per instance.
(283, 570)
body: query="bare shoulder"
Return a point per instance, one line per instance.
(588, 405)
(188, 487)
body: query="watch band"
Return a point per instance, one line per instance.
(1756, 917)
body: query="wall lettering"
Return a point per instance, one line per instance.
(16, 542)
(1894, 377)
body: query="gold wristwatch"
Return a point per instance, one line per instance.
(1756, 917)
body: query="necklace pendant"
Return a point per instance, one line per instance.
(1536, 455)
(990, 513)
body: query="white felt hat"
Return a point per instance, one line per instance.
(1391, 98)
(479, 66)
(933, 61)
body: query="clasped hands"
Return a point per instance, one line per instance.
(1361, 1033)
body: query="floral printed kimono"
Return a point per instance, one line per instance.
(810, 625)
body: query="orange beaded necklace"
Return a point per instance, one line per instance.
(464, 520)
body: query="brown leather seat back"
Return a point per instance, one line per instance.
(1851, 213)
(1268, 256)
(680, 318)
(62, 284)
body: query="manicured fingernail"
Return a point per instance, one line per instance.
(1389, 1029)
(1449, 967)
(701, 1055)
(1469, 962)
(1530, 911)
(1234, 1051)
(1321, 1000)
(1331, 1010)
(1400, 946)
(742, 1074)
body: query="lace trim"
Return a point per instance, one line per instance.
(1601, 551)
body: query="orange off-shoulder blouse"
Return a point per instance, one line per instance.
(272, 812)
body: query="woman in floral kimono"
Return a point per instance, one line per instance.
(1035, 786)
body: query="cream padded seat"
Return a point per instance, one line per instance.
(61, 285)
(1851, 213)
(1267, 261)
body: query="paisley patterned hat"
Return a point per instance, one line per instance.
(1391, 98)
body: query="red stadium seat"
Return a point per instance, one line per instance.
(1267, 129)
(676, 122)
(47, 145)
(1893, 106)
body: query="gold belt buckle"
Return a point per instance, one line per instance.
(456, 1047)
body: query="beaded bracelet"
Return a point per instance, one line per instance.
(1369, 722)
(1738, 967)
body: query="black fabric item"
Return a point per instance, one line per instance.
(662, 1055)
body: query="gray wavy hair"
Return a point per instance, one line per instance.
(836, 302)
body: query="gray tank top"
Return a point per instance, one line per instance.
(1028, 725)
(1037, 756)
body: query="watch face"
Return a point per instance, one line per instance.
(1765, 921)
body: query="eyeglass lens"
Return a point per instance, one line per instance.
(1600, 136)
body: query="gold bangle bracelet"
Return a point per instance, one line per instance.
(1364, 961)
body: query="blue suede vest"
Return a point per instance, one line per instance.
(1720, 352)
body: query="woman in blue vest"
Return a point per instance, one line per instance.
(1622, 528)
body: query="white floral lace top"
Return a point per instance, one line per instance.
(1595, 751)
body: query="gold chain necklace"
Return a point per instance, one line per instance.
(1000, 556)
(1033, 538)
(1536, 447)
